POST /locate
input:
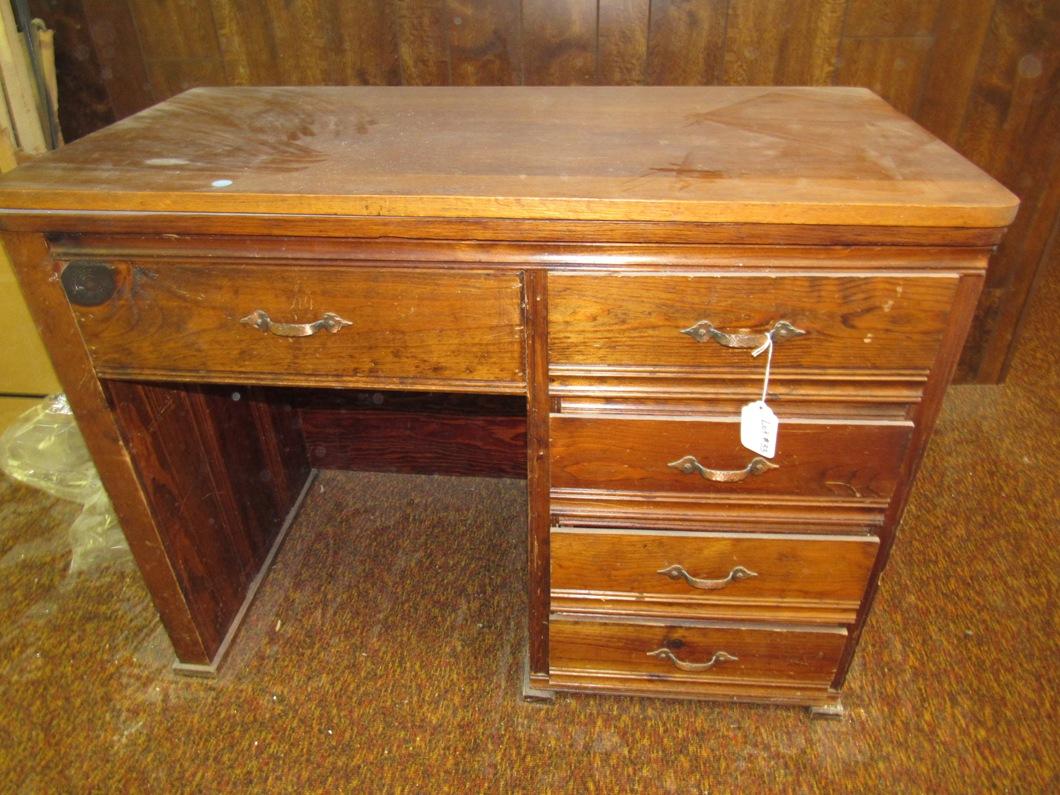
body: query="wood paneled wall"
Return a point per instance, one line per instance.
(984, 75)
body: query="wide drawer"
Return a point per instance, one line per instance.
(883, 324)
(819, 579)
(331, 325)
(814, 458)
(692, 652)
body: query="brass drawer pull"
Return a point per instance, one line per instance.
(719, 657)
(704, 330)
(678, 572)
(690, 466)
(260, 319)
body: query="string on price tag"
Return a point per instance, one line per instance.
(758, 424)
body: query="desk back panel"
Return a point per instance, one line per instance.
(421, 433)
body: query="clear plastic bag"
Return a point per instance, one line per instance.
(43, 448)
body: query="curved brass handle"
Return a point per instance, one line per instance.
(690, 466)
(677, 572)
(719, 657)
(704, 330)
(260, 320)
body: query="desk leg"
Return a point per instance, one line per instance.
(185, 468)
(39, 280)
(532, 694)
(535, 292)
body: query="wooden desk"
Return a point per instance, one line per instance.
(604, 257)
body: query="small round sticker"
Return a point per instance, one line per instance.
(221, 183)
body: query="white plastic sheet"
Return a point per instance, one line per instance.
(43, 448)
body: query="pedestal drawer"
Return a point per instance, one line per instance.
(736, 576)
(879, 323)
(414, 327)
(692, 652)
(814, 458)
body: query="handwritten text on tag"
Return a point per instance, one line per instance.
(758, 428)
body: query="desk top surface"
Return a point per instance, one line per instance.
(837, 156)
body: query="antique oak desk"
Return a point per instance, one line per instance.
(600, 261)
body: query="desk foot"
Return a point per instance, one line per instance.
(209, 670)
(531, 694)
(828, 711)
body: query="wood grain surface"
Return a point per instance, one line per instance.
(752, 513)
(980, 74)
(38, 276)
(407, 325)
(765, 653)
(221, 468)
(820, 459)
(418, 433)
(507, 318)
(795, 577)
(891, 324)
(926, 415)
(725, 154)
(538, 467)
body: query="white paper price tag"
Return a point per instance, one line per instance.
(758, 428)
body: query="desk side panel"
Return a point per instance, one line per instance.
(962, 314)
(38, 277)
(221, 468)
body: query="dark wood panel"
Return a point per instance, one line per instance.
(422, 45)
(866, 18)
(220, 477)
(960, 29)
(246, 42)
(789, 43)
(121, 63)
(686, 42)
(622, 42)
(364, 40)
(179, 43)
(301, 32)
(428, 434)
(892, 67)
(560, 37)
(485, 42)
(84, 103)
(1012, 130)
(171, 76)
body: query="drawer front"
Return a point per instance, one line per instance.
(694, 652)
(762, 577)
(885, 324)
(233, 320)
(818, 459)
